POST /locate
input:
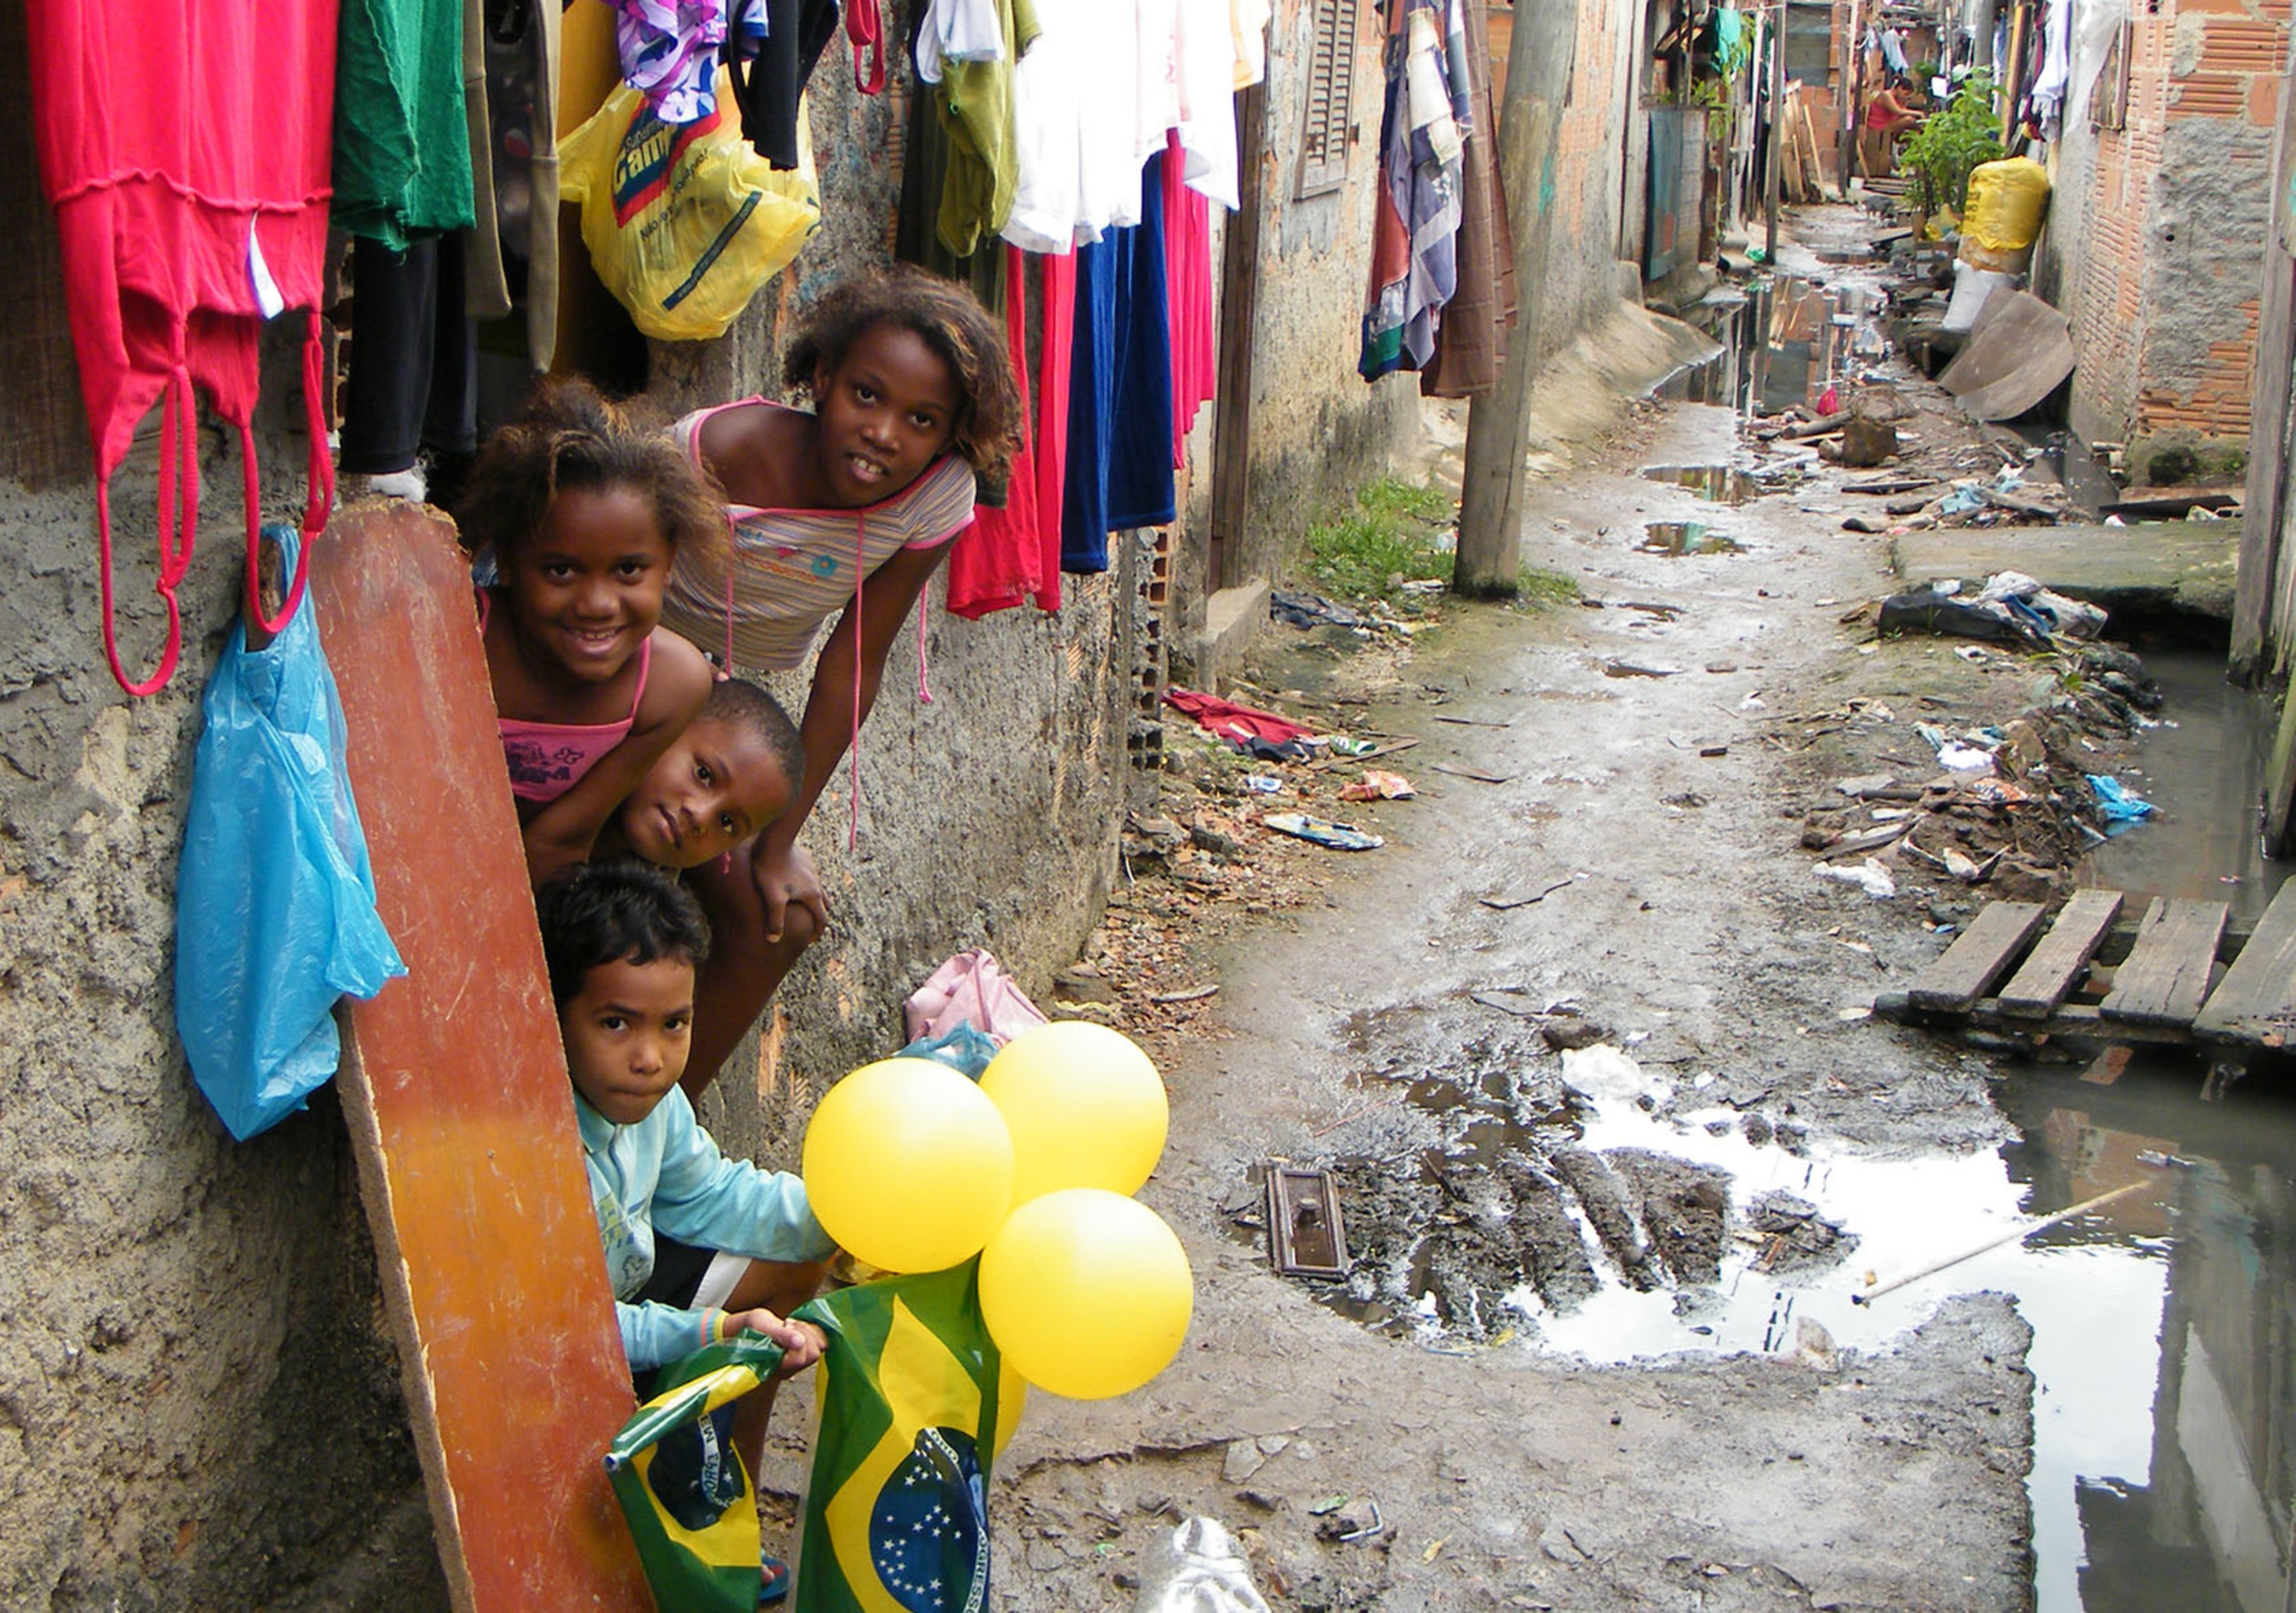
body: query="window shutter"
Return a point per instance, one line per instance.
(1331, 111)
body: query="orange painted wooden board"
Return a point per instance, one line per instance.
(455, 1092)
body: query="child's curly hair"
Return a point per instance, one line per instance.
(568, 436)
(950, 321)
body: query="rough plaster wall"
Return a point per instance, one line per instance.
(1317, 430)
(2203, 243)
(199, 1406)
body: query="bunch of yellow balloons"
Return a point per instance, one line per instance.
(913, 1167)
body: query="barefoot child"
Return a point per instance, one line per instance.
(621, 941)
(584, 516)
(849, 507)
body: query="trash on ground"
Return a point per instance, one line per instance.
(1196, 1568)
(2121, 806)
(1262, 783)
(1312, 611)
(1305, 1235)
(1376, 785)
(1231, 721)
(1869, 876)
(1323, 831)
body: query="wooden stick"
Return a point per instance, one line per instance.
(2016, 1235)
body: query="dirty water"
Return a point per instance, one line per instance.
(2204, 767)
(1680, 537)
(1613, 1208)
(1724, 484)
(1783, 341)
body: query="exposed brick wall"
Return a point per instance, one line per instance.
(2164, 226)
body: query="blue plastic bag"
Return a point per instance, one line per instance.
(274, 905)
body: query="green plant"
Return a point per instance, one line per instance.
(1938, 156)
(1541, 586)
(1389, 538)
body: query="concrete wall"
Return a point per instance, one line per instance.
(197, 1397)
(2157, 229)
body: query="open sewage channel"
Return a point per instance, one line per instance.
(1580, 1203)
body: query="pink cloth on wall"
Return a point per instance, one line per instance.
(1000, 561)
(1188, 276)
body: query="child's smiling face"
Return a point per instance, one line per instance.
(586, 589)
(626, 1034)
(887, 411)
(717, 785)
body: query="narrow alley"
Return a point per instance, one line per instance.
(1148, 806)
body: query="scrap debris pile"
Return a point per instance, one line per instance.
(2011, 806)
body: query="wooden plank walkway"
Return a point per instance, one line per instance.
(2171, 982)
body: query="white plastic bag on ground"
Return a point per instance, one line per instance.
(1198, 1567)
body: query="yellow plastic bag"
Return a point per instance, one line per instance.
(685, 222)
(2005, 199)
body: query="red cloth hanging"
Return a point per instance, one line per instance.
(1000, 562)
(1188, 281)
(864, 26)
(1056, 334)
(184, 146)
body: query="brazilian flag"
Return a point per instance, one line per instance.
(896, 1511)
(681, 1483)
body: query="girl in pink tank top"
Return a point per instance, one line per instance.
(584, 515)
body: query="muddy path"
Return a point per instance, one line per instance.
(1706, 990)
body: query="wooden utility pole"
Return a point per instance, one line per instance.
(1773, 176)
(1543, 45)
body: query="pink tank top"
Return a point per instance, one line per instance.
(547, 760)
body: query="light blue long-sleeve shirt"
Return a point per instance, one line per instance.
(665, 1172)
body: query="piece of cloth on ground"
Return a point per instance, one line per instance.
(1229, 720)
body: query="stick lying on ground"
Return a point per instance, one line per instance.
(2014, 1236)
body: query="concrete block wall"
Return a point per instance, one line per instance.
(2169, 221)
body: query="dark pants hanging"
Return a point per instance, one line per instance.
(413, 381)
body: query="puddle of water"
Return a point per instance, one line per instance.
(1784, 343)
(1679, 537)
(1722, 484)
(2206, 773)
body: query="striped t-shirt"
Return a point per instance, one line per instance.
(793, 570)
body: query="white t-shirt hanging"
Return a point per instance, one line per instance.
(1159, 107)
(1108, 121)
(1205, 60)
(1050, 85)
(958, 30)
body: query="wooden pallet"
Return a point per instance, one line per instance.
(2179, 973)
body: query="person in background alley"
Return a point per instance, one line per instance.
(1887, 115)
(849, 507)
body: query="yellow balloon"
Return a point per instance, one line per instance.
(1011, 1400)
(909, 1165)
(1086, 1107)
(1087, 1292)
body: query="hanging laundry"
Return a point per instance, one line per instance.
(1052, 84)
(959, 30)
(1056, 342)
(1120, 440)
(670, 51)
(1471, 339)
(1188, 294)
(402, 159)
(1000, 563)
(975, 98)
(174, 251)
(769, 82)
(865, 27)
(1205, 77)
(1416, 226)
(509, 262)
(412, 384)
(1247, 21)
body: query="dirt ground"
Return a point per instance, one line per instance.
(1652, 760)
